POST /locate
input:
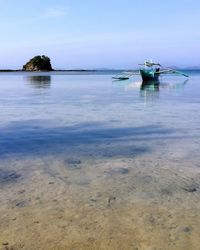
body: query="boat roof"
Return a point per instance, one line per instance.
(150, 64)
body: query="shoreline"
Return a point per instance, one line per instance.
(60, 70)
(82, 70)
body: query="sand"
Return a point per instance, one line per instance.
(74, 201)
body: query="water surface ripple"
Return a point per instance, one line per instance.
(91, 163)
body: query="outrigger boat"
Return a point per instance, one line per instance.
(149, 72)
(122, 76)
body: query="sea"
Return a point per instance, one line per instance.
(87, 162)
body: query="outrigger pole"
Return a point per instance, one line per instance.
(178, 72)
(171, 71)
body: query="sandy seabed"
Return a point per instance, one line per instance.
(80, 202)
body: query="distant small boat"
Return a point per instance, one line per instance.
(149, 72)
(120, 78)
(125, 75)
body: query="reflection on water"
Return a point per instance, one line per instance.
(88, 166)
(39, 81)
(150, 85)
(174, 86)
(149, 90)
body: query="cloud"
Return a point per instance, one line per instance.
(55, 12)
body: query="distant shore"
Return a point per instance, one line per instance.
(61, 70)
(81, 70)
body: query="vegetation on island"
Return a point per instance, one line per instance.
(38, 63)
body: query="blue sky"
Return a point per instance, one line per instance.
(100, 33)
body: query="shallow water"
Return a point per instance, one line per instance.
(87, 163)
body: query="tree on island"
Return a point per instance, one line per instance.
(38, 63)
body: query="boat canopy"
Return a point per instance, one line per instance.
(150, 64)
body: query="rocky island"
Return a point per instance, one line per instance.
(38, 63)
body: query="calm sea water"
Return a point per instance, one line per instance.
(91, 163)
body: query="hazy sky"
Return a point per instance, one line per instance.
(100, 33)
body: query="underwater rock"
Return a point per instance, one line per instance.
(21, 204)
(73, 161)
(8, 176)
(117, 171)
(5, 243)
(190, 189)
(187, 229)
(111, 200)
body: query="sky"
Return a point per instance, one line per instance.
(93, 34)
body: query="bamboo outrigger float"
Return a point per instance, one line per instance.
(149, 72)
